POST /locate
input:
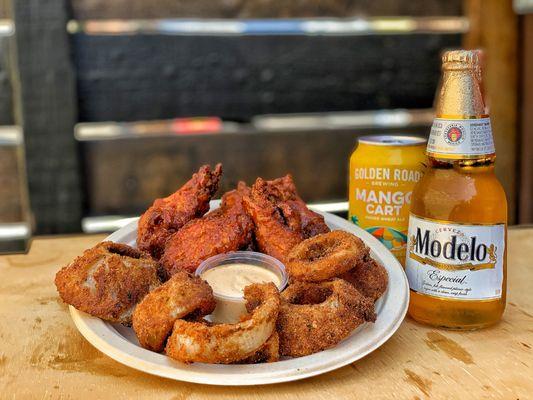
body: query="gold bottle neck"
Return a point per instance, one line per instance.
(460, 94)
(461, 130)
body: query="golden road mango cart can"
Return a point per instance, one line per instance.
(383, 171)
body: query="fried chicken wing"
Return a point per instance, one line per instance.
(284, 190)
(108, 281)
(225, 229)
(277, 225)
(169, 214)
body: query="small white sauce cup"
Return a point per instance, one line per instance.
(229, 308)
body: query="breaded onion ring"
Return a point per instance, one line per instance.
(227, 343)
(267, 353)
(325, 256)
(181, 296)
(108, 280)
(369, 277)
(316, 316)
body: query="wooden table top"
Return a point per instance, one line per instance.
(42, 355)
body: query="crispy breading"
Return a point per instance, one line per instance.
(277, 226)
(108, 281)
(225, 229)
(325, 256)
(227, 343)
(317, 316)
(369, 277)
(181, 296)
(267, 353)
(168, 215)
(334, 280)
(284, 190)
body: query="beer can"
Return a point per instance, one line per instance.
(383, 171)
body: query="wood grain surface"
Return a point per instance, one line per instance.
(42, 356)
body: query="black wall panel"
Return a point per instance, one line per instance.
(6, 101)
(48, 111)
(127, 78)
(84, 9)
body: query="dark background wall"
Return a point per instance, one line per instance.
(11, 176)
(6, 95)
(10, 173)
(95, 77)
(137, 77)
(87, 9)
(47, 104)
(88, 76)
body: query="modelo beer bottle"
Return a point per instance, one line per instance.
(456, 255)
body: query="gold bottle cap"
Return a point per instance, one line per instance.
(472, 58)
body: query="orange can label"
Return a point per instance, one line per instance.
(380, 192)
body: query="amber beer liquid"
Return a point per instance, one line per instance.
(456, 256)
(383, 171)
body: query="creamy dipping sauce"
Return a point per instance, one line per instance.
(231, 279)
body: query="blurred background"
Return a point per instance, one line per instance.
(107, 104)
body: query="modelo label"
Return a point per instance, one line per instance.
(461, 137)
(455, 261)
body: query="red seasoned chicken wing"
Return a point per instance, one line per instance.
(169, 214)
(277, 225)
(225, 229)
(284, 190)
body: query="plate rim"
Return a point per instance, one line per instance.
(102, 335)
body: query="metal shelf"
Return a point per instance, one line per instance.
(314, 26)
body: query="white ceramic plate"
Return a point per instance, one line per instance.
(120, 343)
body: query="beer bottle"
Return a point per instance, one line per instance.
(456, 253)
